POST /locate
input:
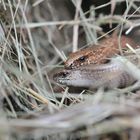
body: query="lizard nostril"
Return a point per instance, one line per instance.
(71, 65)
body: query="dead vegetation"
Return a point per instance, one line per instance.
(36, 37)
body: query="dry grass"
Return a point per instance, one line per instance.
(36, 37)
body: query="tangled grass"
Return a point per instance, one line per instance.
(36, 37)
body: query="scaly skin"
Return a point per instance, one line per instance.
(110, 75)
(98, 54)
(90, 67)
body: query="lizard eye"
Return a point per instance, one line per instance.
(83, 58)
(64, 74)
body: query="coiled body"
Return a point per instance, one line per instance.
(109, 75)
(91, 67)
(99, 54)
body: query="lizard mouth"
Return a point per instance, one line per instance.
(73, 66)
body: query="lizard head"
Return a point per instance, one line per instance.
(74, 78)
(67, 77)
(81, 58)
(98, 54)
(87, 56)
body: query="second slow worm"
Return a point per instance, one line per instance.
(109, 75)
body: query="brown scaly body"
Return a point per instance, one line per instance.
(90, 67)
(98, 54)
(110, 75)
